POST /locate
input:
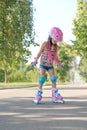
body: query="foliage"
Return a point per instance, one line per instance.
(66, 58)
(83, 68)
(16, 76)
(29, 74)
(32, 75)
(80, 28)
(80, 32)
(16, 32)
(23, 75)
(1, 76)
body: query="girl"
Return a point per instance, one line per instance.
(48, 55)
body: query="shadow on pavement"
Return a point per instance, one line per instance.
(19, 113)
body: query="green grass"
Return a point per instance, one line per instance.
(23, 84)
(18, 84)
(27, 84)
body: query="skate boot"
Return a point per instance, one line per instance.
(56, 97)
(38, 96)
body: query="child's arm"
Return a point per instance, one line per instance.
(39, 53)
(41, 49)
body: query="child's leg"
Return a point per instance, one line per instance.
(56, 97)
(38, 96)
(52, 77)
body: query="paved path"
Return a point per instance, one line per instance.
(17, 111)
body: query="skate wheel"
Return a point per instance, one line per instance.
(36, 102)
(63, 102)
(59, 101)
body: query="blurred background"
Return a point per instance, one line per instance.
(25, 24)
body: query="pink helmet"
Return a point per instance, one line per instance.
(56, 34)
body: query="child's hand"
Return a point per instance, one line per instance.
(34, 62)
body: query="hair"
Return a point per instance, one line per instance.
(49, 44)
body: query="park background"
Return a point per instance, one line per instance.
(24, 25)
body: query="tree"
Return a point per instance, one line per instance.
(16, 32)
(66, 57)
(80, 32)
(83, 69)
(80, 28)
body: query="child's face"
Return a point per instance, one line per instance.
(54, 42)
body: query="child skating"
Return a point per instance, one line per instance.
(48, 55)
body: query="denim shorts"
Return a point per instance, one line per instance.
(47, 68)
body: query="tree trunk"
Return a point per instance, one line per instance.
(5, 76)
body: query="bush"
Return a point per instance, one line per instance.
(16, 76)
(32, 75)
(2, 76)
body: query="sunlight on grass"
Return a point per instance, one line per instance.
(24, 84)
(20, 84)
(30, 84)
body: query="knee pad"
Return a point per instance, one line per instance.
(41, 79)
(53, 78)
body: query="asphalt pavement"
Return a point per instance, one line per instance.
(18, 112)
